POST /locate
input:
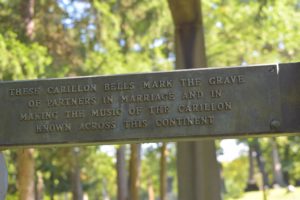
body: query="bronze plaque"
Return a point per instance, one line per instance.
(140, 107)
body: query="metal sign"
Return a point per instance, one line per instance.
(177, 105)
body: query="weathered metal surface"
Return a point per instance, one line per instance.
(208, 103)
(289, 75)
(185, 12)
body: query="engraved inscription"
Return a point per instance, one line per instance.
(53, 128)
(194, 94)
(71, 89)
(75, 114)
(109, 116)
(193, 121)
(74, 101)
(24, 91)
(30, 116)
(158, 109)
(226, 80)
(93, 126)
(135, 124)
(119, 86)
(141, 98)
(190, 82)
(129, 106)
(106, 112)
(205, 107)
(158, 84)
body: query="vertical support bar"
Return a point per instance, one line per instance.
(197, 167)
(3, 177)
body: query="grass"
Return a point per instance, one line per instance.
(272, 194)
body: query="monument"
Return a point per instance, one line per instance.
(170, 106)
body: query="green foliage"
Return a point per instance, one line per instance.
(151, 168)
(114, 63)
(131, 36)
(247, 32)
(235, 175)
(98, 172)
(290, 156)
(20, 60)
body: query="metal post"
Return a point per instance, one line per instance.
(197, 167)
(3, 177)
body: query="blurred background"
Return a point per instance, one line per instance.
(63, 38)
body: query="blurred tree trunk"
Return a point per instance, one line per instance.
(27, 13)
(163, 171)
(223, 185)
(77, 193)
(251, 184)
(39, 187)
(151, 195)
(276, 164)
(197, 168)
(25, 159)
(251, 165)
(261, 163)
(287, 160)
(25, 174)
(121, 173)
(135, 161)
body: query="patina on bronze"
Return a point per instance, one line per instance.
(185, 104)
